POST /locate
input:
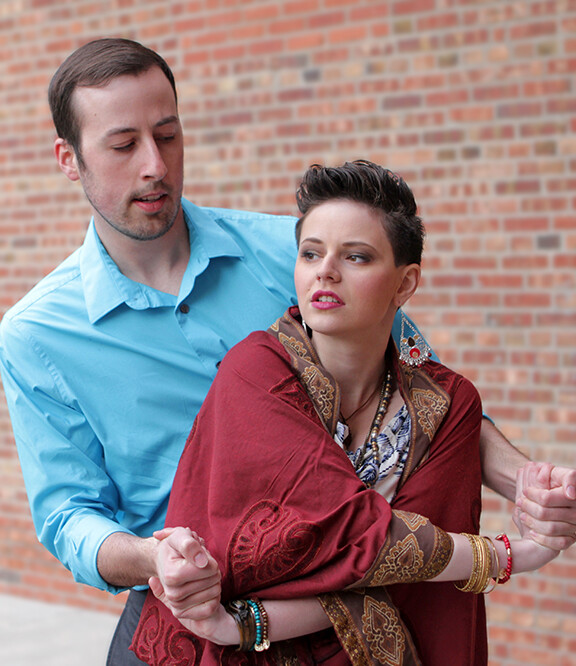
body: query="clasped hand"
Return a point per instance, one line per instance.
(545, 508)
(189, 584)
(188, 580)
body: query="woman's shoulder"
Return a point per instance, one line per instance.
(259, 355)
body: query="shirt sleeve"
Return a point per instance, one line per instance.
(72, 499)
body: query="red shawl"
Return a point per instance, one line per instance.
(283, 512)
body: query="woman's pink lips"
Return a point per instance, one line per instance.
(326, 305)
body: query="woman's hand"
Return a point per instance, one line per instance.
(188, 577)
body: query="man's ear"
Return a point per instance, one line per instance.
(408, 285)
(66, 157)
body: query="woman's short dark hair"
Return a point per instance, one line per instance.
(96, 64)
(370, 184)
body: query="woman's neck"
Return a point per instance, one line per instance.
(357, 367)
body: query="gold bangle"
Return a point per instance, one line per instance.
(466, 586)
(486, 579)
(479, 580)
(499, 572)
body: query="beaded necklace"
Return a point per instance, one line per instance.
(372, 438)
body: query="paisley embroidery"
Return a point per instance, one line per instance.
(384, 632)
(271, 544)
(403, 562)
(164, 644)
(430, 409)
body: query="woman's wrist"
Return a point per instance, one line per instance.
(219, 629)
(251, 619)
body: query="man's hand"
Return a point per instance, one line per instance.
(546, 504)
(188, 578)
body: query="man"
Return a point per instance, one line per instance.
(106, 361)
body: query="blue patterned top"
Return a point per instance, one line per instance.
(393, 444)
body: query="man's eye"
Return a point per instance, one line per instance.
(125, 147)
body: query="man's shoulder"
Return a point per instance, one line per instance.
(48, 292)
(247, 216)
(267, 242)
(250, 223)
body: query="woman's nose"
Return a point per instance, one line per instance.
(328, 270)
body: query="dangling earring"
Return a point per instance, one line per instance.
(413, 348)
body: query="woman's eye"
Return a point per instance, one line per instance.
(308, 255)
(358, 258)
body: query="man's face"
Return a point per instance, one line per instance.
(132, 154)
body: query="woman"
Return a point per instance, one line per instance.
(291, 515)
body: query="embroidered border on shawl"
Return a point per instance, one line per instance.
(402, 559)
(441, 556)
(321, 390)
(430, 409)
(404, 562)
(383, 632)
(324, 392)
(413, 521)
(290, 343)
(345, 628)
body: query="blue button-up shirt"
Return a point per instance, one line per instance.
(104, 376)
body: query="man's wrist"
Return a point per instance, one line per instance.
(126, 560)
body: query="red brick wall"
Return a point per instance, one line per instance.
(473, 101)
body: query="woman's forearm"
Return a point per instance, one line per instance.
(527, 555)
(287, 619)
(295, 617)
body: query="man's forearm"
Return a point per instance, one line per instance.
(500, 461)
(125, 560)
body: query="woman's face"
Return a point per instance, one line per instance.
(346, 280)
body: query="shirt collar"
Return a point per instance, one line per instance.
(105, 287)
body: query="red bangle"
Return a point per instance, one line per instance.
(504, 575)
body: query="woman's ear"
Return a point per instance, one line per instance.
(410, 279)
(66, 157)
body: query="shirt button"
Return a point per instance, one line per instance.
(184, 308)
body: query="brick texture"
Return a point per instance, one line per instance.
(473, 101)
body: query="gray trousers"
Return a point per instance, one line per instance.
(119, 653)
